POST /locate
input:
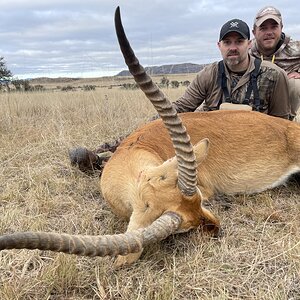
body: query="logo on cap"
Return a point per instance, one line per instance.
(234, 24)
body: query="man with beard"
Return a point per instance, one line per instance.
(239, 81)
(272, 44)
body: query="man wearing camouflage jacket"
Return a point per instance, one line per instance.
(273, 45)
(207, 92)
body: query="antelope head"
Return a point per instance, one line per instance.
(175, 181)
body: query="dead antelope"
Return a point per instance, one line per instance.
(157, 180)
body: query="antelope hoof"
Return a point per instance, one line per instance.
(214, 229)
(217, 232)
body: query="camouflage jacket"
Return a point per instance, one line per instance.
(287, 56)
(205, 89)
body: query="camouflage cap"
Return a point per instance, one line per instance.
(268, 12)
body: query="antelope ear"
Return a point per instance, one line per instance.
(170, 166)
(201, 150)
(157, 175)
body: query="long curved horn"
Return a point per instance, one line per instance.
(106, 245)
(187, 167)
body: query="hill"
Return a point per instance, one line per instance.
(169, 69)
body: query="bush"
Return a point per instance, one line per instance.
(129, 86)
(22, 85)
(186, 83)
(67, 88)
(164, 82)
(89, 87)
(174, 84)
(39, 88)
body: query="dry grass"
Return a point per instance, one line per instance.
(257, 258)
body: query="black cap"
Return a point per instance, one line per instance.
(235, 25)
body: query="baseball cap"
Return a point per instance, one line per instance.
(235, 25)
(267, 12)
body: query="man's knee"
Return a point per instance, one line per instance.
(294, 95)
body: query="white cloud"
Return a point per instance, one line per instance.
(50, 37)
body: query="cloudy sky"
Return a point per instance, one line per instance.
(76, 37)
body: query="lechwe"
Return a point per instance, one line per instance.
(158, 183)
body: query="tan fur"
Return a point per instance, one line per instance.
(248, 152)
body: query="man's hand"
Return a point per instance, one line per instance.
(294, 75)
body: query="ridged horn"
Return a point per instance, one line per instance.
(106, 245)
(187, 167)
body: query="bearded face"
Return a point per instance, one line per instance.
(234, 49)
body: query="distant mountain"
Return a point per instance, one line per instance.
(169, 69)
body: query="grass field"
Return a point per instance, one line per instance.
(257, 258)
